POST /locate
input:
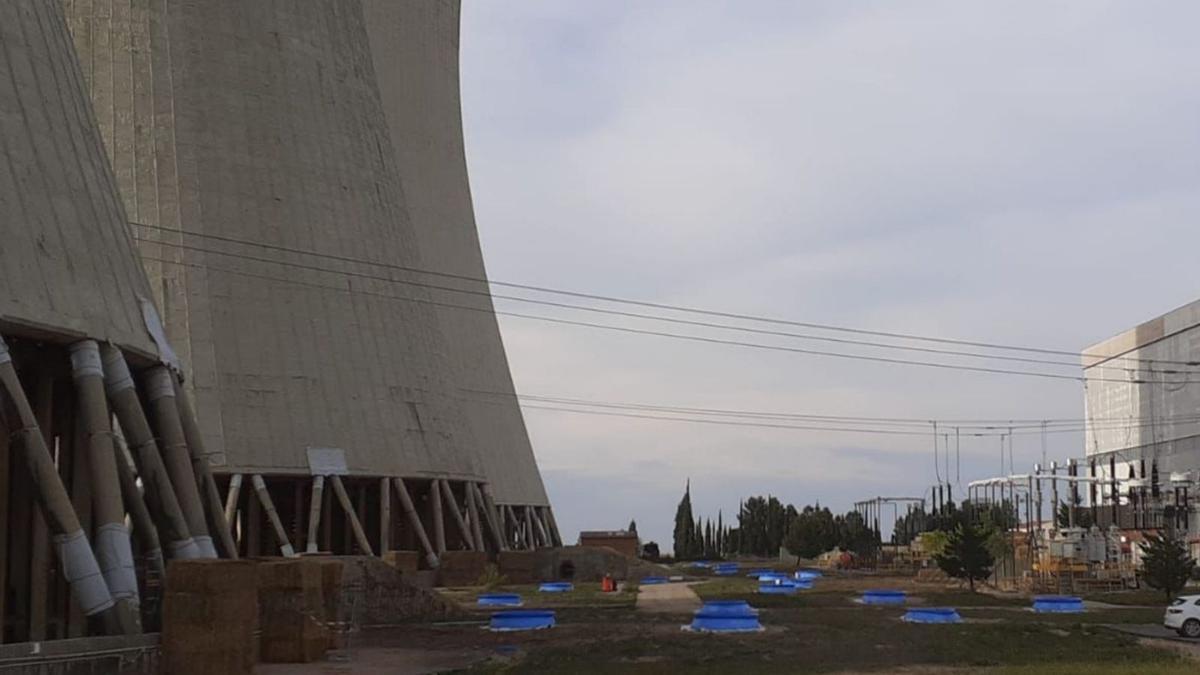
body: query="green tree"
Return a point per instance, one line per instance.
(966, 554)
(633, 526)
(1083, 516)
(1166, 564)
(685, 526)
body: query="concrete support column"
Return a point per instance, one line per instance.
(160, 392)
(210, 497)
(473, 508)
(456, 516)
(314, 514)
(360, 535)
(268, 505)
(75, 554)
(414, 520)
(439, 523)
(159, 494)
(114, 552)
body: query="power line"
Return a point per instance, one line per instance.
(642, 303)
(623, 329)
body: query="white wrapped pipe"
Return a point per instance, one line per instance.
(114, 554)
(82, 572)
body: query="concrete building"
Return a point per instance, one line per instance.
(290, 172)
(1143, 422)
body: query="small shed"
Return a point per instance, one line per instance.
(621, 541)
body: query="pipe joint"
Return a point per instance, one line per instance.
(85, 360)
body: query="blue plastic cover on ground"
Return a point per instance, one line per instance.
(932, 615)
(722, 623)
(726, 569)
(759, 572)
(881, 596)
(803, 584)
(808, 574)
(728, 608)
(772, 576)
(777, 589)
(556, 587)
(499, 600)
(522, 619)
(1057, 604)
(650, 581)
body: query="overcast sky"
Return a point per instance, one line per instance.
(1008, 172)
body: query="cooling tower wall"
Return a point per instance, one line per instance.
(67, 265)
(256, 128)
(415, 48)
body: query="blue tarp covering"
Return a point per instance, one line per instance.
(772, 576)
(650, 581)
(726, 569)
(808, 575)
(777, 589)
(556, 587)
(883, 596)
(729, 607)
(1057, 604)
(803, 584)
(522, 619)
(759, 572)
(726, 616)
(932, 615)
(500, 600)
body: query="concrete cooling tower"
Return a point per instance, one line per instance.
(268, 189)
(415, 50)
(80, 342)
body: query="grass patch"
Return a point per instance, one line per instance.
(584, 595)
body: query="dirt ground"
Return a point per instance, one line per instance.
(815, 631)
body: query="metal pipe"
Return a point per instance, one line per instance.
(439, 525)
(114, 552)
(210, 497)
(314, 514)
(231, 498)
(159, 495)
(160, 392)
(360, 536)
(75, 554)
(414, 520)
(456, 516)
(264, 499)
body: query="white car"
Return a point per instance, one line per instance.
(1183, 616)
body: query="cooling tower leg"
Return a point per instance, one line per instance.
(558, 540)
(538, 527)
(264, 498)
(473, 508)
(114, 552)
(231, 499)
(489, 514)
(314, 513)
(439, 522)
(360, 536)
(160, 494)
(209, 495)
(74, 553)
(143, 524)
(517, 535)
(160, 391)
(414, 520)
(456, 515)
(385, 515)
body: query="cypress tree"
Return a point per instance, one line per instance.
(684, 526)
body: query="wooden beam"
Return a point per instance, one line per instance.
(360, 536)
